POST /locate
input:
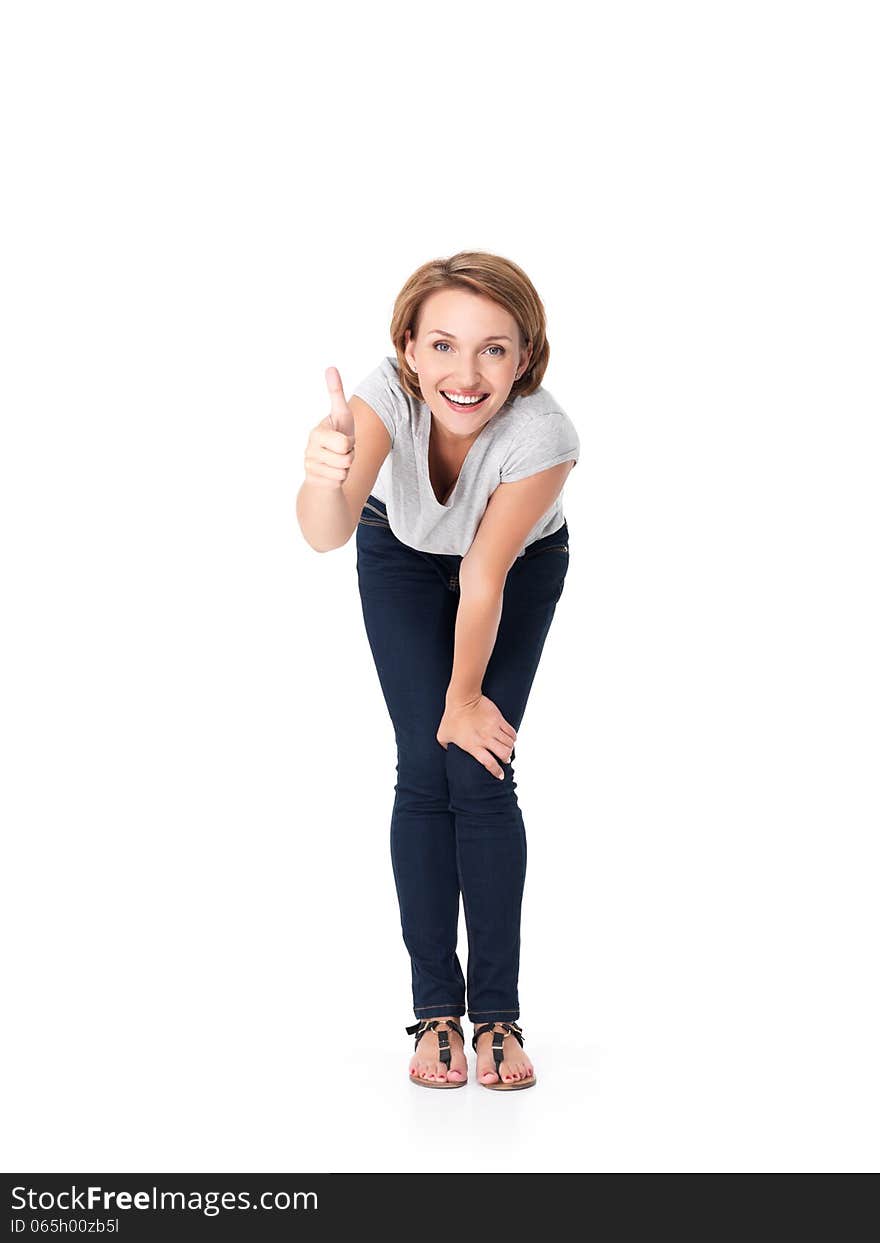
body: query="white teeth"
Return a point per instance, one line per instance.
(463, 401)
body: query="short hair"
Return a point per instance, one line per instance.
(479, 272)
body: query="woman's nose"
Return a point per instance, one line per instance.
(468, 377)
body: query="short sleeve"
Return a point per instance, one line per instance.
(382, 392)
(545, 441)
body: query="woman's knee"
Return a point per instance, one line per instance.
(421, 764)
(471, 780)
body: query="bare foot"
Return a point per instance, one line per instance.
(425, 1062)
(516, 1064)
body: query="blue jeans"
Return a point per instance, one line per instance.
(455, 828)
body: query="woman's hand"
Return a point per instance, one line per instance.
(478, 728)
(330, 449)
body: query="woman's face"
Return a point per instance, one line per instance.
(467, 345)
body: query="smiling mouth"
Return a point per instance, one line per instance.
(464, 405)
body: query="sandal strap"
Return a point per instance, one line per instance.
(426, 1025)
(512, 1029)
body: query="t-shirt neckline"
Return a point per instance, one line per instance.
(425, 449)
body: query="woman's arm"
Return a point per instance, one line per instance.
(513, 510)
(476, 629)
(471, 720)
(328, 516)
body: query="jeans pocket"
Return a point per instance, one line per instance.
(539, 548)
(548, 548)
(371, 516)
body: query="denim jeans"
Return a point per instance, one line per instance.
(455, 828)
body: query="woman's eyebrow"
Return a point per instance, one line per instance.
(497, 336)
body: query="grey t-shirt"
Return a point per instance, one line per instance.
(526, 435)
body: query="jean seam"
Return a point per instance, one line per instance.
(527, 555)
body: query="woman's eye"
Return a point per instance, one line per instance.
(491, 347)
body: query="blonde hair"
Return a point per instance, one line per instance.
(479, 272)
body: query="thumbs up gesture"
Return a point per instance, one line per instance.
(330, 449)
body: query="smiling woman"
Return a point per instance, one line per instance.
(448, 459)
(433, 449)
(462, 554)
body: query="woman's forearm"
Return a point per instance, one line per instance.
(476, 629)
(323, 517)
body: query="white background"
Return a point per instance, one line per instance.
(205, 205)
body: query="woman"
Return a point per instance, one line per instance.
(462, 551)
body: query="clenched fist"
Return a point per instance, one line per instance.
(330, 449)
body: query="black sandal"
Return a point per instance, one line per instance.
(445, 1053)
(513, 1029)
